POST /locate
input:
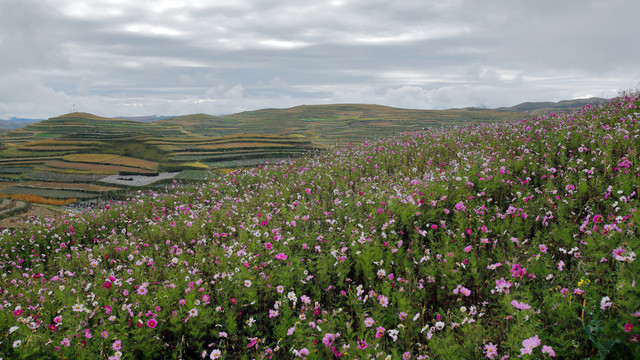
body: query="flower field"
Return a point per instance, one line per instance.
(479, 242)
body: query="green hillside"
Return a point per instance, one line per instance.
(501, 240)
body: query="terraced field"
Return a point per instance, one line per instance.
(73, 157)
(81, 156)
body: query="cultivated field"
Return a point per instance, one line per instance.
(81, 148)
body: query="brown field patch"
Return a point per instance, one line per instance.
(53, 148)
(134, 162)
(55, 142)
(90, 158)
(242, 145)
(96, 168)
(66, 186)
(37, 199)
(112, 159)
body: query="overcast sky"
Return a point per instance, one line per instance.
(171, 57)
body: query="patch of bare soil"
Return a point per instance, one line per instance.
(36, 211)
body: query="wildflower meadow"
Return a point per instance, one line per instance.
(493, 241)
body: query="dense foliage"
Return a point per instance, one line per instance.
(485, 241)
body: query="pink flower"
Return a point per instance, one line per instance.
(304, 352)
(490, 350)
(329, 339)
(268, 246)
(546, 349)
(518, 271)
(520, 305)
(406, 356)
(529, 344)
(253, 342)
(281, 256)
(628, 327)
(65, 342)
(380, 332)
(117, 345)
(503, 285)
(468, 248)
(105, 334)
(368, 322)
(152, 323)
(543, 248)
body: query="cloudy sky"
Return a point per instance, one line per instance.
(168, 57)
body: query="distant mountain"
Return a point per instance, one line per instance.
(16, 123)
(334, 123)
(547, 106)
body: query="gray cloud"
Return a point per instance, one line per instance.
(113, 57)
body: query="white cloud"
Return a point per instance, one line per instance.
(116, 57)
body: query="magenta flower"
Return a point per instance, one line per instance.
(518, 271)
(628, 327)
(152, 323)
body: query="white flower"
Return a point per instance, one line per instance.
(439, 325)
(247, 283)
(605, 303)
(17, 343)
(292, 297)
(216, 354)
(12, 329)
